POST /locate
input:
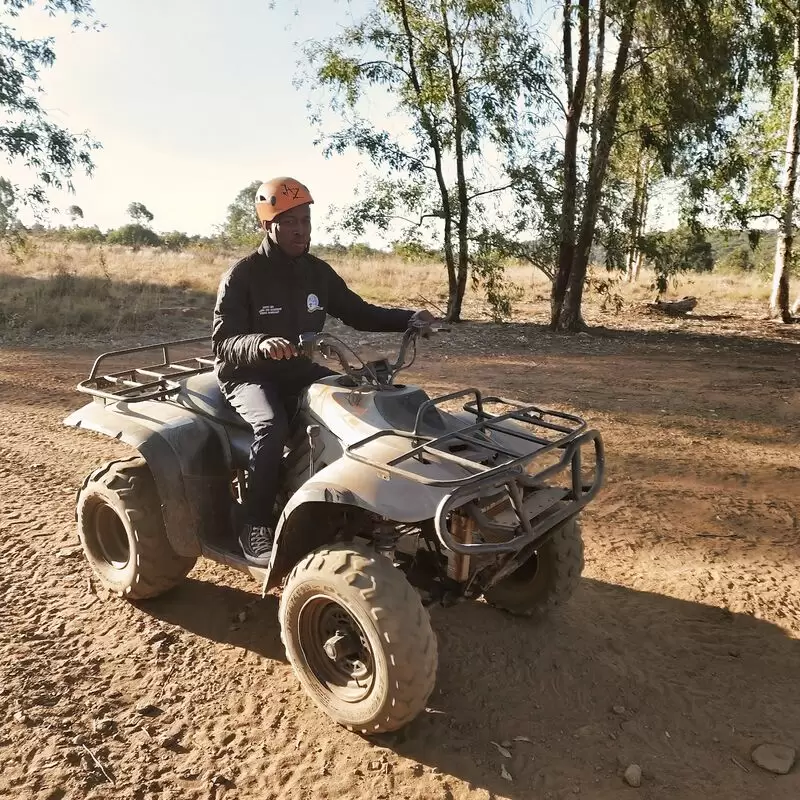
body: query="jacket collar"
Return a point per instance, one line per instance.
(275, 256)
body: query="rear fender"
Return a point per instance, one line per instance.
(189, 457)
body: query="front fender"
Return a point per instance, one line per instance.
(348, 485)
(352, 483)
(188, 455)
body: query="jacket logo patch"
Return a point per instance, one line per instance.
(264, 310)
(312, 303)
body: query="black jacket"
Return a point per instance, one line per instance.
(269, 294)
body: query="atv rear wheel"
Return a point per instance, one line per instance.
(547, 579)
(121, 530)
(358, 638)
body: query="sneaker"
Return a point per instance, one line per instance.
(256, 542)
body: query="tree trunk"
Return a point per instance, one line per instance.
(598, 78)
(570, 318)
(453, 301)
(575, 98)
(634, 217)
(779, 301)
(454, 308)
(637, 266)
(644, 201)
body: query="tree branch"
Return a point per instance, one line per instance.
(412, 222)
(765, 214)
(643, 53)
(379, 62)
(490, 191)
(547, 90)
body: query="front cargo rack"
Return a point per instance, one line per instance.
(553, 430)
(543, 431)
(155, 382)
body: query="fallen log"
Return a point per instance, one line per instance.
(674, 308)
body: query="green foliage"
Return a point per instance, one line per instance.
(738, 260)
(414, 252)
(8, 207)
(175, 240)
(135, 236)
(74, 213)
(362, 250)
(27, 136)
(680, 250)
(467, 80)
(241, 226)
(139, 213)
(488, 272)
(91, 235)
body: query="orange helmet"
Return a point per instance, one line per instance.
(279, 195)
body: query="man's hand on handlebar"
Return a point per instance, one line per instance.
(277, 348)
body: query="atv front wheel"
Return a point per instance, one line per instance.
(547, 579)
(358, 638)
(121, 530)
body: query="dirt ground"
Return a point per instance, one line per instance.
(680, 651)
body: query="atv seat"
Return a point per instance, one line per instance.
(201, 393)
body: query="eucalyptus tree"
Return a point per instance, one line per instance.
(678, 73)
(465, 82)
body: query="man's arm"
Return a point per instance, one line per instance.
(347, 306)
(231, 339)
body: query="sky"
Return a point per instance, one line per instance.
(192, 100)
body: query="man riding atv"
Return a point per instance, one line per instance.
(387, 498)
(265, 301)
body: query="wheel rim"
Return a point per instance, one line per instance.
(336, 649)
(108, 539)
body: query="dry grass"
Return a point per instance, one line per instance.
(79, 290)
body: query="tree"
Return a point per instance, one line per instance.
(779, 299)
(678, 73)
(241, 226)
(176, 241)
(758, 177)
(52, 154)
(139, 213)
(8, 208)
(74, 213)
(466, 78)
(135, 236)
(683, 249)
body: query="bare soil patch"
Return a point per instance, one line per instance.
(680, 651)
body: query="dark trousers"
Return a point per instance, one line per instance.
(265, 406)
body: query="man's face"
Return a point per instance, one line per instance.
(292, 230)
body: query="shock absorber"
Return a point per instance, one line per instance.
(385, 539)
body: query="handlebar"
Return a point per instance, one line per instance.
(376, 373)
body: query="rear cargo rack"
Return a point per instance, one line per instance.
(154, 382)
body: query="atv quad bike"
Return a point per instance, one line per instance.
(388, 501)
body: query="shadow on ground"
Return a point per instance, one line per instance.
(584, 689)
